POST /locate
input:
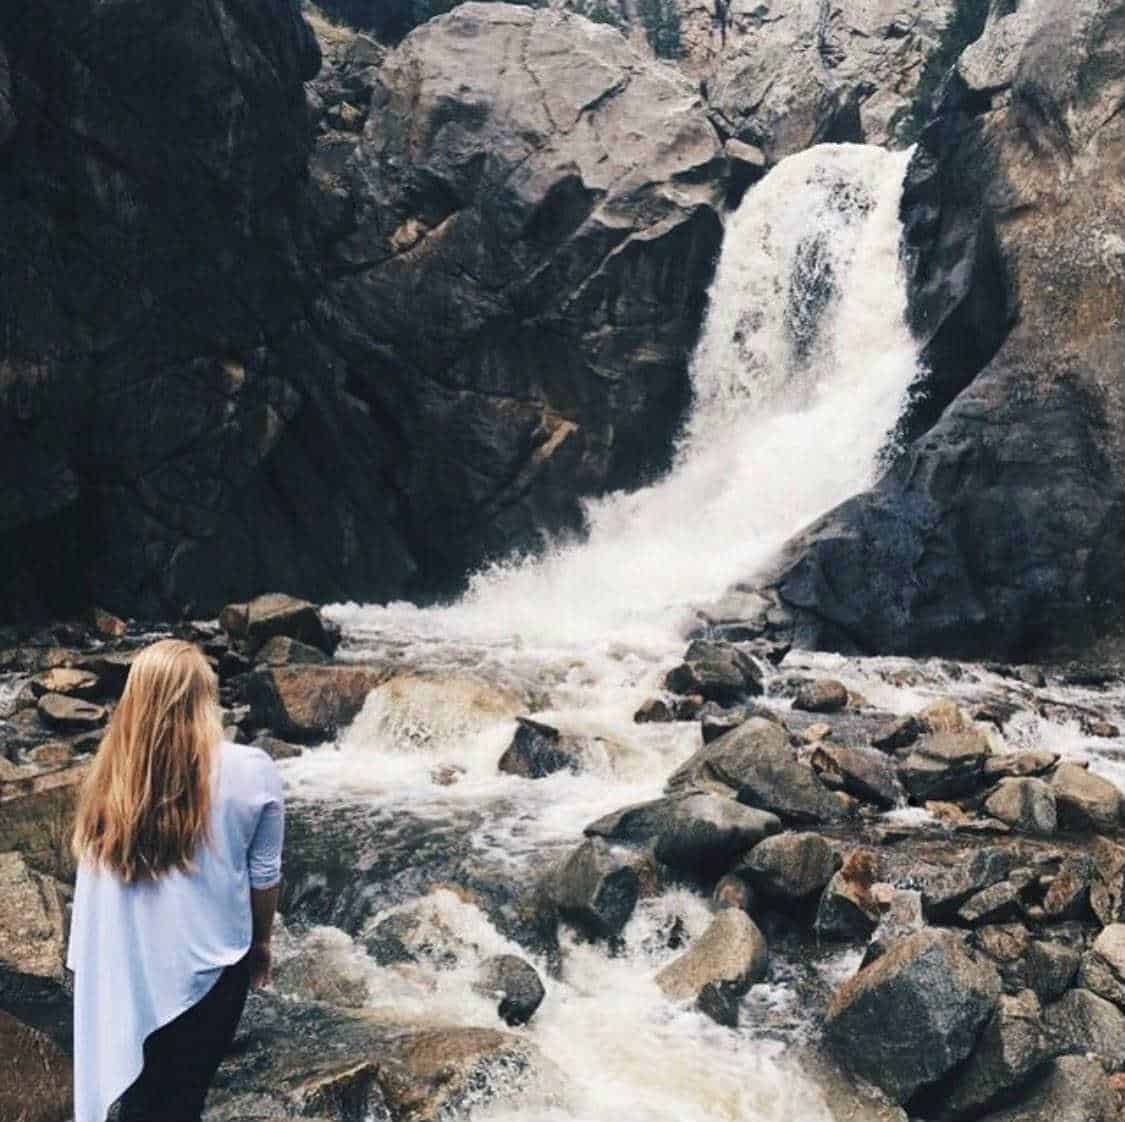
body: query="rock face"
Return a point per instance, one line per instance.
(31, 920)
(538, 195)
(966, 545)
(910, 1017)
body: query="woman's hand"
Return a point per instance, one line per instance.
(259, 959)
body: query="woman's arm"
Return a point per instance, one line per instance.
(263, 907)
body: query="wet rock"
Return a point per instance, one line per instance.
(32, 920)
(791, 868)
(996, 712)
(1075, 1089)
(755, 762)
(66, 680)
(866, 773)
(1025, 804)
(275, 614)
(306, 703)
(309, 1059)
(1098, 727)
(281, 650)
(822, 696)
(847, 911)
(35, 1075)
(322, 966)
(998, 903)
(945, 765)
(945, 716)
(815, 733)
(278, 749)
(594, 889)
(946, 888)
(899, 733)
(1084, 1023)
(653, 711)
(699, 834)
(900, 915)
(1019, 764)
(912, 1016)
(1085, 801)
(516, 983)
(1107, 883)
(729, 956)
(1068, 894)
(70, 714)
(1103, 967)
(714, 725)
(536, 751)
(1051, 968)
(732, 891)
(1011, 1048)
(717, 672)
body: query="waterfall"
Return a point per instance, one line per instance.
(802, 369)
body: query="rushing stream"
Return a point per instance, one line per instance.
(803, 368)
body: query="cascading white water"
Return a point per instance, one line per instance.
(802, 370)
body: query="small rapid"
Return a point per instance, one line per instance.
(802, 370)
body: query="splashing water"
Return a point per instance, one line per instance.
(802, 370)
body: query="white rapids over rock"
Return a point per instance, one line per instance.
(804, 366)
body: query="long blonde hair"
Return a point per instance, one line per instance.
(145, 806)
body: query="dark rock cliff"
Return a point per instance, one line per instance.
(255, 336)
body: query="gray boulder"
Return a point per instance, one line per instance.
(1051, 968)
(791, 868)
(593, 889)
(516, 983)
(1027, 805)
(699, 834)
(1011, 1048)
(1107, 882)
(536, 751)
(945, 765)
(1075, 1089)
(1083, 1023)
(866, 773)
(846, 911)
(756, 763)
(913, 1015)
(717, 672)
(1085, 801)
(728, 957)
(1103, 966)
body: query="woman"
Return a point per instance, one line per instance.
(178, 839)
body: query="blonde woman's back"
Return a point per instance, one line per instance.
(151, 948)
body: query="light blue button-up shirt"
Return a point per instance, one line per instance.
(144, 953)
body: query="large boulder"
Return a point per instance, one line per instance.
(913, 1015)
(1083, 1023)
(516, 983)
(728, 958)
(718, 672)
(967, 545)
(308, 702)
(945, 765)
(791, 868)
(1026, 804)
(32, 920)
(866, 773)
(755, 763)
(275, 614)
(698, 834)
(1012, 1047)
(1075, 1089)
(35, 1075)
(1103, 967)
(536, 751)
(594, 889)
(1085, 801)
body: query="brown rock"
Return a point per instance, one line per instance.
(899, 733)
(306, 703)
(1085, 801)
(945, 765)
(822, 696)
(1107, 885)
(866, 773)
(945, 716)
(1019, 764)
(35, 1075)
(282, 650)
(654, 710)
(107, 624)
(68, 681)
(731, 954)
(69, 714)
(792, 867)
(1025, 804)
(32, 926)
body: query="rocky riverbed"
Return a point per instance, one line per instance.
(885, 885)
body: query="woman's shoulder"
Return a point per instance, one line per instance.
(245, 765)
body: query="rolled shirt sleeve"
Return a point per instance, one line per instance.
(264, 857)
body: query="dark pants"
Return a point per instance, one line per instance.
(181, 1058)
